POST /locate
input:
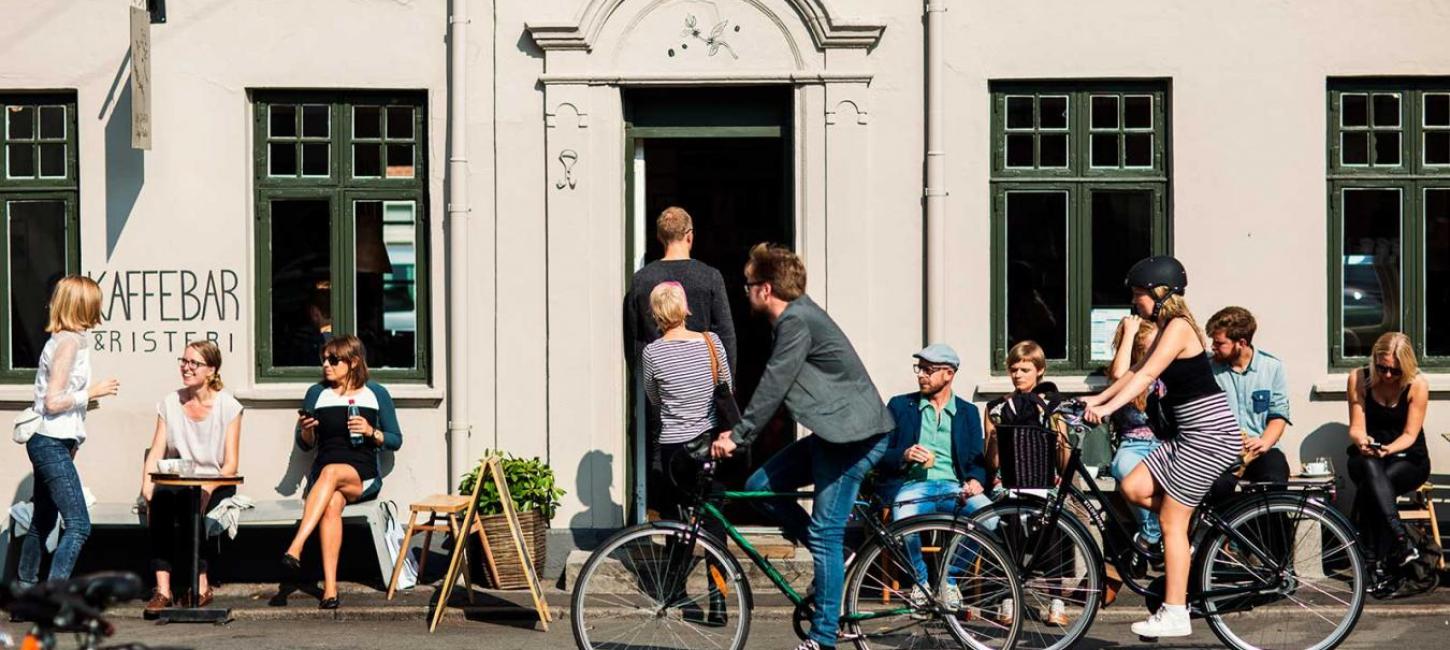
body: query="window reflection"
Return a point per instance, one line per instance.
(1037, 270)
(1371, 267)
(1437, 272)
(386, 285)
(37, 261)
(301, 281)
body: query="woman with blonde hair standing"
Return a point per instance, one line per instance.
(62, 389)
(201, 423)
(1174, 478)
(1387, 456)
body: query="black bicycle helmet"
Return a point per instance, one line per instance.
(1158, 271)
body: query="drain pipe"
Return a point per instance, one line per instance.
(935, 190)
(459, 426)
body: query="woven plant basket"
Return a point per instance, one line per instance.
(507, 572)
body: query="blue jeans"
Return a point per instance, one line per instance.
(939, 497)
(1131, 452)
(836, 471)
(57, 491)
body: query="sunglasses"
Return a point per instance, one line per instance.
(1388, 370)
(331, 360)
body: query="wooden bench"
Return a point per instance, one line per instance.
(1418, 509)
(276, 513)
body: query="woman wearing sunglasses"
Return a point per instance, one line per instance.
(1387, 457)
(201, 423)
(348, 419)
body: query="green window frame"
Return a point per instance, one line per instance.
(38, 166)
(1114, 137)
(1388, 187)
(309, 150)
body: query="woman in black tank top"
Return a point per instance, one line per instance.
(1387, 404)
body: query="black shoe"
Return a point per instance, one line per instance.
(1404, 553)
(329, 603)
(291, 564)
(1151, 550)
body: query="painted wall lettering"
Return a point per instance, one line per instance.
(202, 303)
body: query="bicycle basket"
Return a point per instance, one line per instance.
(1027, 455)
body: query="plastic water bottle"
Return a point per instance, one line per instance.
(354, 437)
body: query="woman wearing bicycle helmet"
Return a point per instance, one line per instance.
(1174, 478)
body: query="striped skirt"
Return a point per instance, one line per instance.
(1207, 445)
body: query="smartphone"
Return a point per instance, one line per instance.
(1375, 444)
(306, 413)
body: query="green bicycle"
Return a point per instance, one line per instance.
(673, 584)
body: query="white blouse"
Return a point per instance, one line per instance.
(62, 403)
(204, 440)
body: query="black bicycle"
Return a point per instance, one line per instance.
(1267, 545)
(72, 606)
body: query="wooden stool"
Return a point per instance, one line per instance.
(1420, 509)
(440, 508)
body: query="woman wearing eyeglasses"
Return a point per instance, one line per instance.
(201, 423)
(348, 419)
(1387, 404)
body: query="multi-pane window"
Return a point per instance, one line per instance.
(341, 230)
(38, 190)
(1389, 212)
(1079, 193)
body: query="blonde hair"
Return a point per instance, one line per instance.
(75, 305)
(1028, 351)
(668, 304)
(212, 356)
(1142, 340)
(673, 224)
(1176, 306)
(1397, 345)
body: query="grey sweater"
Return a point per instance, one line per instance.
(705, 292)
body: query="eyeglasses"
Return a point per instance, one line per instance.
(331, 360)
(189, 364)
(1388, 370)
(748, 285)
(927, 369)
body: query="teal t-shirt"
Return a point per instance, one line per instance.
(936, 436)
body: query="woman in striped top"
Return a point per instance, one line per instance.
(1173, 479)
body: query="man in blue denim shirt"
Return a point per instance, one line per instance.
(1257, 391)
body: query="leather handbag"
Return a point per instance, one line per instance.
(727, 412)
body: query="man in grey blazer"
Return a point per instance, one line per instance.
(816, 374)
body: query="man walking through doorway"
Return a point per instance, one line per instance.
(816, 374)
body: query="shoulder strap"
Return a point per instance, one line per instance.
(714, 362)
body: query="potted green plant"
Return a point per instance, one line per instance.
(535, 497)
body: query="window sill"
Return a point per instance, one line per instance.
(1334, 384)
(289, 395)
(17, 396)
(1071, 384)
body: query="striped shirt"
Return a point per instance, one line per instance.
(678, 380)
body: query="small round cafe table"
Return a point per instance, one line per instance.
(188, 611)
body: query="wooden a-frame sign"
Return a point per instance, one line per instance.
(491, 466)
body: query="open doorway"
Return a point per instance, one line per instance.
(725, 156)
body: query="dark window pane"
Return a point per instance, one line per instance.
(52, 122)
(37, 262)
(1437, 147)
(1371, 267)
(1105, 112)
(400, 161)
(1386, 110)
(1105, 150)
(1437, 272)
(1138, 149)
(1138, 112)
(367, 160)
(283, 121)
(367, 122)
(314, 159)
(301, 281)
(1386, 148)
(1037, 270)
(1354, 148)
(1019, 112)
(20, 161)
(20, 122)
(1437, 110)
(52, 160)
(1019, 150)
(1052, 112)
(1122, 225)
(1053, 150)
(314, 121)
(387, 289)
(1353, 110)
(282, 159)
(400, 123)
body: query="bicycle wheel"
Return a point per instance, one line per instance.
(967, 573)
(1324, 582)
(642, 589)
(1062, 585)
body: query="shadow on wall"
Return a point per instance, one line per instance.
(10, 552)
(125, 167)
(594, 478)
(298, 464)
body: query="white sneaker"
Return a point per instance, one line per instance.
(951, 596)
(1057, 613)
(917, 597)
(1006, 612)
(1164, 623)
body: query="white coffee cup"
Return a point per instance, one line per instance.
(1316, 467)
